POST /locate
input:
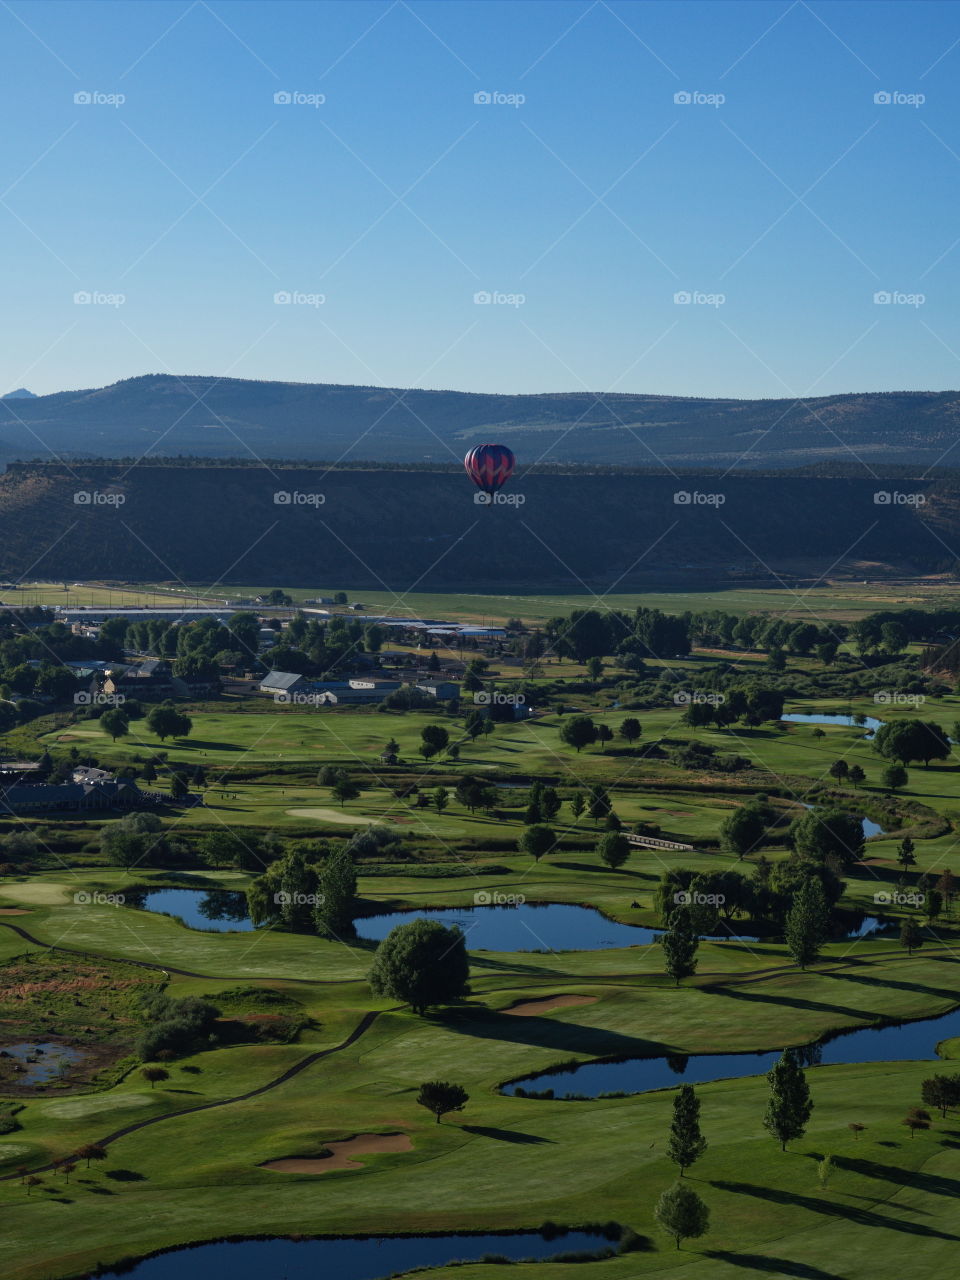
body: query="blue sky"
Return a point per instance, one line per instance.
(581, 210)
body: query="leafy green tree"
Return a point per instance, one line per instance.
(824, 835)
(440, 798)
(686, 1143)
(942, 1092)
(680, 942)
(839, 770)
(178, 787)
(789, 1107)
(613, 849)
(435, 736)
(114, 722)
(577, 804)
(156, 1075)
(421, 963)
(594, 667)
(682, 1214)
(336, 903)
(604, 734)
(631, 729)
(856, 775)
(894, 777)
(906, 740)
(743, 830)
(440, 1097)
(578, 732)
(807, 922)
(536, 841)
(599, 805)
(910, 936)
(167, 722)
(549, 803)
(344, 789)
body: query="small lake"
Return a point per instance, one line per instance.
(909, 1041)
(870, 723)
(551, 926)
(347, 1259)
(42, 1060)
(220, 910)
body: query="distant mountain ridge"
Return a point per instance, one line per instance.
(21, 393)
(211, 417)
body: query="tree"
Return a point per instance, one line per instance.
(856, 775)
(344, 789)
(825, 835)
(613, 849)
(839, 770)
(536, 841)
(631, 729)
(743, 830)
(114, 722)
(91, 1151)
(856, 1129)
(178, 787)
(156, 1075)
(906, 740)
(599, 805)
(66, 1168)
(594, 667)
(947, 886)
(941, 1092)
(577, 804)
(31, 1182)
(337, 896)
(894, 777)
(905, 855)
(686, 1143)
(807, 922)
(578, 731)
(440, 1097)
(435, 736)
(679, 944)
(910, 936)
(421, 963)
(824, 1171)
(549, 803)
(933, 904)
(682, 1214)
(916, 1120)
(604, 735)
(789, 1107)
(167, 722)
(441, 798)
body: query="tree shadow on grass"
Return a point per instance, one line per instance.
(125, 1175)
(942, 993)
(832, 1209)
(503, 1135)
(794, 1002)
(932, 1182)
(772, 1266)
(545, 1033)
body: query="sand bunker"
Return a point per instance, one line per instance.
(329, 815)
(14, 911)
(530, 1008)
(364, 1144)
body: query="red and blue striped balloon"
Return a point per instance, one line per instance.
(489, 466)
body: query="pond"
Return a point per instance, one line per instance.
(220, 910)
(349, 1259)
(870, 723)
(905, 1041)
(550, 926)
(42, 1060)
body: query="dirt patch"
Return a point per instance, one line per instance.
(14, 911)
(530, 1008)
(364, 1144)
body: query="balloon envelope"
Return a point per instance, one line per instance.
(489, 466)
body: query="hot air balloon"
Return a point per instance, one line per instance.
(489, 466)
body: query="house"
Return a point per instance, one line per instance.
(442, 690)
(70, 797)
(189, 687)
(284, 682)
(150, 679)
(389, 757)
